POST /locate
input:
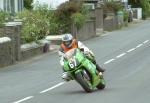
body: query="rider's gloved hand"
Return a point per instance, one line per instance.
(65, 76)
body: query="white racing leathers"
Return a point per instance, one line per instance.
(85, 49)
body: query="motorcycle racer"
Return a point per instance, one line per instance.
(68, 43)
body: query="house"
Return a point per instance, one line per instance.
(11, 6)
(51, 3)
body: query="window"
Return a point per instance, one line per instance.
(12, 6)
(89, 6)
(5, 5)
(20, 5)
(9, 6)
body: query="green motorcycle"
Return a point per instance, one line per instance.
(81, 69)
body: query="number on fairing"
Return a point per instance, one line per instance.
(72, 63)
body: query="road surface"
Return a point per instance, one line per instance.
(125, 54)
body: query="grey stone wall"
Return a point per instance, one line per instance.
(99, 20)
(112, 21)
(92, 27)
(109, 22)
(31, 51)
(12, 51)
(97, 14)
(6, 51)
(12, 30)
(1, 31)
(87, 31)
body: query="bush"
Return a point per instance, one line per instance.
(144, 4)
(113, 6)
(70, 13)
(125, 15)
(78, 19)
(28, 4)
(3, 16)
(37, 23)
(41, 21)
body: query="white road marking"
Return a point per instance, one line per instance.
(59, 84)
(121, 55)
(146, 41)
(109, 61)
(27, 98)
(139, 45)
(131, 50)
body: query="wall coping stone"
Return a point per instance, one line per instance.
(13, 23)
(54, 37)
(44, 41)
(29, 46)
(4, 40)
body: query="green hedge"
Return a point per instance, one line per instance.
(44, 21)
(37, 23)
(70, 13)
(3, 17)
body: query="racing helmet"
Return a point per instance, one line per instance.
(67, 40)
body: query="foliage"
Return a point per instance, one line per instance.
(125, 15)
(3, 16)
(68, 13)
(42, 21)
(28, 4)
(113, 6)
(78, 19)
(144, 4)
(37, 23)
(145, 8)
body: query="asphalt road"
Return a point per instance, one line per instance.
(125, 54)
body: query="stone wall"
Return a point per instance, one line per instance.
(99, 20)
(10, 52)
(97, 14)
(112, 21)
(13, 30)
(109, 22)
(33, 49)
(6, 51)
(87, 31)
(92, 27)
(1, 31)
(30, 50)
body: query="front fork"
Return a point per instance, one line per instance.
(91, 68)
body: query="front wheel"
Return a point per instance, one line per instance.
(102, 84)
(83, 82)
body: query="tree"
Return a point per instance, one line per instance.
(70, 12)
(28, 4)
(144, 4)
(134, 3)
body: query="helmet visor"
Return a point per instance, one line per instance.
(67, 43)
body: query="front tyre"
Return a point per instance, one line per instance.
(102, 84)
(83, 82)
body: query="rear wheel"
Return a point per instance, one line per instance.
(85, 83)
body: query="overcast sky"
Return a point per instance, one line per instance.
(53, 3)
